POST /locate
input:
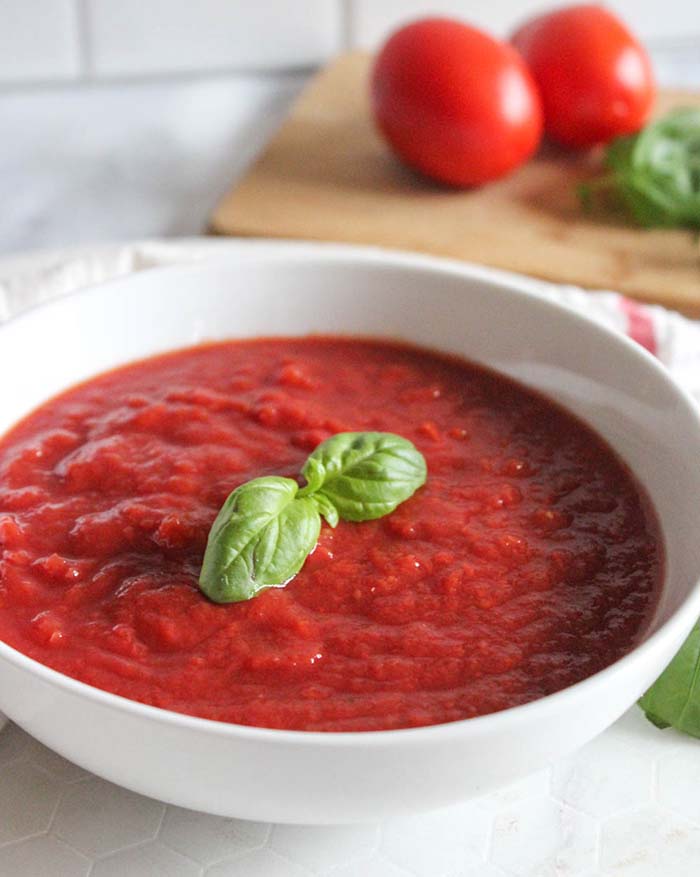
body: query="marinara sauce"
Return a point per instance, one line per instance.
(529, 560)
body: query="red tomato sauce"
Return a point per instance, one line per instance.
(530, 559)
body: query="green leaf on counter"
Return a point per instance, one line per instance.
(655, 174)
(674, 699)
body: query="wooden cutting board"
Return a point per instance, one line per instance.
(327, 176)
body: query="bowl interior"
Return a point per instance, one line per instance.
(286, 290)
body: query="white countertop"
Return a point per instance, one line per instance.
(114, 162)
(626, 805)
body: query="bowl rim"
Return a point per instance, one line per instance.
(332, 253)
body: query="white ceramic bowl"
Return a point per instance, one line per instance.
(275, 288)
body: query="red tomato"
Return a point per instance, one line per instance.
(595, 79)
(454, 103)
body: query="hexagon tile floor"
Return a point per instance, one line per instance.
(626, 805)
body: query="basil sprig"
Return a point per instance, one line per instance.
(655, 174)
(674, 699)
(268, 526)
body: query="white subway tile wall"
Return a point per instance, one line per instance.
(653, 20)
(45, 41)
(39, 40)
(170, 36)
(372, 21)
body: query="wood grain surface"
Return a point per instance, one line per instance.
(326, 175)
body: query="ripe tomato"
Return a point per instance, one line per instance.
(595, 79)
(454, 103)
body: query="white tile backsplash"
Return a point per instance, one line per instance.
(371, 21)
(57, 40)
(658, 21)
(134, 37)
(38, 40)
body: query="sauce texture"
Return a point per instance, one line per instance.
(530, 559)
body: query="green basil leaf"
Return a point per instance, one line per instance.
(326, 508)
(260, 539)
(655, 174)
(674, 699)
(364, 475)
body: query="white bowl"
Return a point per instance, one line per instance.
(275, 288)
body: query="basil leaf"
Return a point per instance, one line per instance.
(655, 174)
(260, 539)
(326, 508)
(674, 699)
(364, 475)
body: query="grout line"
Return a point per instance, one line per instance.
(38, 86)
(15, 841)
(598, 847)
(61, 840)
(106, 854)
(62, 843)
(82, 18)
(347, 24)
(682, 41)
(347, 34)
(59, 798)
(161, 821)
(654, 781)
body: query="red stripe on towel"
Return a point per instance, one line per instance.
(640, 326)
